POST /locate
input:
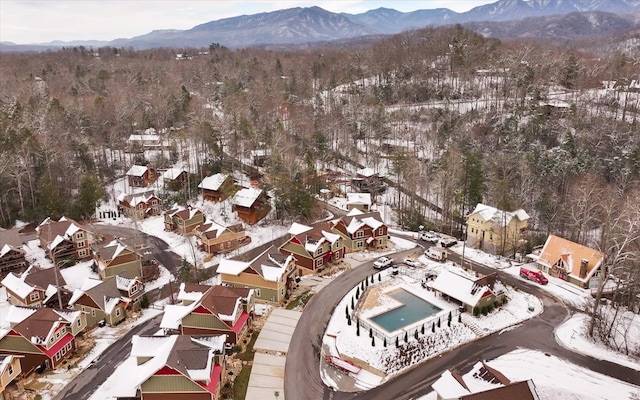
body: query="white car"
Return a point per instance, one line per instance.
(382, 263)
(412, 262)
(429, 236)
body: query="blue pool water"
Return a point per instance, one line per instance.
(413, 309)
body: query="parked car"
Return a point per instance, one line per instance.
(382, 263)
(412, 262)
(437, 253)
(447, 241)
(429, 236)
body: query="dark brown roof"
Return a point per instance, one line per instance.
(43, 277)
(51, 228)
(487, 280)
(223, 299)
(270, 257)
(186, 354)
(524, 390)
(493, 375)
(108, 288)
(38, 324)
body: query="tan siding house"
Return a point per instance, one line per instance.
(182, 219)
(210, 310)
(100, 301)
(10, 369)
(65, 240)
(496, 231)
(117, 258)
(271, 275)
(216, 239)
(313, 248)
(571, 262)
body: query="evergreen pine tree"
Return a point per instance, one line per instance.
(406, 337)
(438, 322)
(397, 342)
(422, 330)
(373, 342)
(379, 277)
(415, 335)
(384, 342)
(433, 327)
(357, 328)
(370, 332)
(352, 304)
(348, 320)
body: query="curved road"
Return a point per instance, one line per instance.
(302, 374)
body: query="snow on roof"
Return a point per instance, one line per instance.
(271, 273)
(173, 173)
(73, 228)
(215, 342)
(459, 287)
(372, 223)
(173, 314)
(246, 197)
(260, 152)
(148, 346)
(110, 304)
(146, 138)
(194, 296)
(499, 217)
(366, 172)
(5, 249)
(49, 293)
(312, 245)
(124, 283)
(213, 182)
(55, 242)
(297, 228)
(16, 314)
(202, 374)
(359, 198)
(214, 226)
(231, 267)
(354, 225)
(354, 211)
(137, 170)
(331, 237)
(17, 285)
(448, 387)
(69, 316)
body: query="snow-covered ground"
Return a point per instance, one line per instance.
(555, 378)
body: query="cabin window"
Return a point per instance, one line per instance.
(82, 253)
(319, 251)
(319, 262)
(80, 235)
(57, 357)
(360, 234)
(81, 244)
(34, 296)
(58, 335)
(93, 313)
(10, 369)
(359, 244)
(381, 231)
(79, 322)
(118, 312)
(69, 346)
(258, 292)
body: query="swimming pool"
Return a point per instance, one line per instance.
(413, 309)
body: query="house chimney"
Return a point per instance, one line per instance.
(583, 267)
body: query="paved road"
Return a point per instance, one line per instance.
(158, 247)
(83, 385)
(537, 333)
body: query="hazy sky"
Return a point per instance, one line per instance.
(40, 21)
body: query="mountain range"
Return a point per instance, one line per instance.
(303, 26)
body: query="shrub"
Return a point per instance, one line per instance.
(459, 318)
(476, 311)
(144, 302)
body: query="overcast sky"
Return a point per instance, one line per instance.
(41, 21)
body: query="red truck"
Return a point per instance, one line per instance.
(533, 275)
